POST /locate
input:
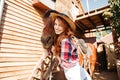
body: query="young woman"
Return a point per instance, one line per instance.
(64, 47)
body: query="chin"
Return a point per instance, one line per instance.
(58, 33)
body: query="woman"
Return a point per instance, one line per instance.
(64, 47)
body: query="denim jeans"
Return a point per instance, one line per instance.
(77, 73)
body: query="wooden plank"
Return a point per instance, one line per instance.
(24, 4)
(19, 46)
(26, 39)
(21, 21)
(17, 77)
(19, 59)
(21, 33)
(20, 55)
(21, 38)
(20, 27)
(18, 15)
(38, 4)
(18, 12)
(20, 51)
(14, 73)
(11, 41)
(23, 24)
(16, 7)
(15, 68)
(91, 14)
(17, 64)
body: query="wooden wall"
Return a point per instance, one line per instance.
(20, 46)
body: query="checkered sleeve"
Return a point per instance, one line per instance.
(66, 50)
(68, 53)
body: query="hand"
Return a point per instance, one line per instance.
(53, 49)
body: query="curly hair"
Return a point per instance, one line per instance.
(67, 33)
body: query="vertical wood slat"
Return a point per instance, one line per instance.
(20, 46)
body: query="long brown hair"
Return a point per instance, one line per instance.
(66, 34)
(48, 30)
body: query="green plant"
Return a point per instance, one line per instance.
(113, 14)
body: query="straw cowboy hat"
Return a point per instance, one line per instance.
(66, 18)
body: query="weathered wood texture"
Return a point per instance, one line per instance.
(20, 46)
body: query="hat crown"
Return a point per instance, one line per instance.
(66, 18)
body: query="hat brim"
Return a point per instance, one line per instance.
(66, 18)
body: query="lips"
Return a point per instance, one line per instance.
(57, 30)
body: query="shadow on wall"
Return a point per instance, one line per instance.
(3, 16)
(90, 40)
(101, 57)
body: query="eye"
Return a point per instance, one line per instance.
(55, 24)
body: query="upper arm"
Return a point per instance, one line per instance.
(66, 49)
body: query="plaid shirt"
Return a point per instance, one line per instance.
(69, 55)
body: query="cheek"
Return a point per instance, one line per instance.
(55, 27)
(61, 29)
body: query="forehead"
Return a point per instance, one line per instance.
(58, 20)
(61, 20)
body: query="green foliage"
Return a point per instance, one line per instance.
(113, 14)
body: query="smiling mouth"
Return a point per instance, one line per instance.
(57, 30)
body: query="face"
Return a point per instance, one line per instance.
(59, 26)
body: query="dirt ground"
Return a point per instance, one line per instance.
(105, 75)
